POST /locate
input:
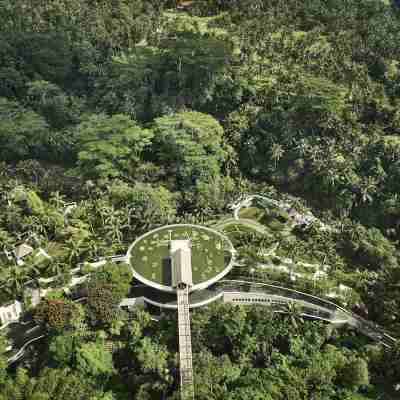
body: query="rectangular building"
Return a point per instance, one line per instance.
(181, 262)
(10, 312)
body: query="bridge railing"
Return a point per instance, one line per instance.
(278, 303)
(245, 284)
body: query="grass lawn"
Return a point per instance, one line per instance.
(234, 231)
(273, 219)
(149, 257)
(253, 213)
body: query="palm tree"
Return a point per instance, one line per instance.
(277, 152)
(103, 210)
(75, 247)
(55, 268)
(294, 313)
(93, 248)
(34, 224)
(113, 223)
(32, 271)
(58, 200)
(16, 279)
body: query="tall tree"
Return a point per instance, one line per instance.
(23, 133)
(110, 146)
(191, 145)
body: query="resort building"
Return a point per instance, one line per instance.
(11, 312)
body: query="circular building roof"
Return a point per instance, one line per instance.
(212, 256)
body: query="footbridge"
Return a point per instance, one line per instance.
(185, 344)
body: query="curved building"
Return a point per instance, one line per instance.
(182, 253)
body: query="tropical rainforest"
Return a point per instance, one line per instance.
(119, 116)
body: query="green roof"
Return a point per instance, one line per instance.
(149, 255)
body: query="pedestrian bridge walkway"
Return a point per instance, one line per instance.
(185, 344)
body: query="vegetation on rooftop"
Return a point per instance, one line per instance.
(210, 253)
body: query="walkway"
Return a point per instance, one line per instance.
(21, 335)
(315, 307)
(185, 345)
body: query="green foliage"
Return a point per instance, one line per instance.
(103, 299)
(145, 204)
(3, 361)
(140, 321)
(92, 359)
(214, 372)
(62, 349)
(390, 362)
(212, 195)
(355, 373)
(119, 276)
(55, 314)
(50, 101)
(368, 247)
(34, 202)
(54, 384)
(23, 133)
(151, 356)
(190, 145)
(184, 65)
(110, 146)
(232, 97)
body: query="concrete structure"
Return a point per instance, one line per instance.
(130, 302)
(183, 290)
(181, 263)
(39, 255)
(196, 299)
(198, 284)
(10, 313)
(181, 269)
(170, 251)
(185, 345)
(22, 251)
(33, 294)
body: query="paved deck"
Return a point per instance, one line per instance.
(185, 345)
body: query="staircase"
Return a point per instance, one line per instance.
(185, 344)
(109, 346)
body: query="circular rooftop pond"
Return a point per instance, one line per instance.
(212, 255)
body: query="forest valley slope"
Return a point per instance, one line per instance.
(119, 117)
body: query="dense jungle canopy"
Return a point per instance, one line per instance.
(149, 112)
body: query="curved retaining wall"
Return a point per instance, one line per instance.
(244, 292)
(174, 306)
(366, 327)
(307, 309)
